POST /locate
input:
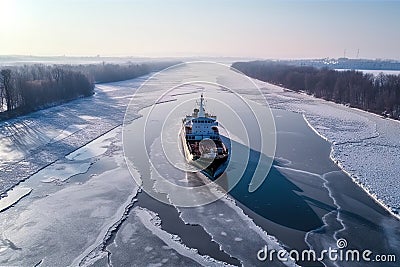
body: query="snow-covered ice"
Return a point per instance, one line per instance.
(94, 148)
(364, 145)
(13, 196)
(61, 222)
(80, 190)
(222, 219)
(152, 223)
(34, 141)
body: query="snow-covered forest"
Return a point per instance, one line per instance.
(378, 94)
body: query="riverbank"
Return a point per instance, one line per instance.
(305, 202)
(376, 94)
(364, 145)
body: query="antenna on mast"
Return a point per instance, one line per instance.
(201, 111)
(358, 52)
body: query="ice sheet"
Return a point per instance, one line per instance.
(94, 148)
(13, 196)
(234, 231)
(365, 145)
(152, 223)
(60, 225)
(34, 141)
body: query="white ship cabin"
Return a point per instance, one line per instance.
(201, 125)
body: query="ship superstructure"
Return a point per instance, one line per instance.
(202, 144)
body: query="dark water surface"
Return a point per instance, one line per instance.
(306, 201)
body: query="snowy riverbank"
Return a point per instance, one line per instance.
(81, 194)
(364, 145)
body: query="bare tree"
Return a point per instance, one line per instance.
(6, 85)
(379, 94)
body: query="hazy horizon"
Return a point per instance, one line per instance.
(199, 57)
(239, 29)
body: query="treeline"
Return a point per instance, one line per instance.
(30, 87)
(379, 94)
(26, 88)
(104, 73)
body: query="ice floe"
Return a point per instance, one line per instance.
(364, 145)
(13, 196)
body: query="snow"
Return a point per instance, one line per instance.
(94, 148)
(140, 241)
(82, 190)
(221, 218)
(364, 145)
(60, 171)
(34, 141)
(375, 72)
(64, 224)
(152, 223)
(68, 131)
(13, 196)
(74, 201)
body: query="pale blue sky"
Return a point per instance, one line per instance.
(252, 28)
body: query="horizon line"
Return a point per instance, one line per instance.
(189, 56)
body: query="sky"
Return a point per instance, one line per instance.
(229, 28)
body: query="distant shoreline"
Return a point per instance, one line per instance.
(372, 93)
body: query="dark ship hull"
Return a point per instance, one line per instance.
(211, 167)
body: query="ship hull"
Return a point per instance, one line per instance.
(212, 169)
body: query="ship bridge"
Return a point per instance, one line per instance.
(201, 125)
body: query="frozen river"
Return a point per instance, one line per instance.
(78, 203)
(75, 193)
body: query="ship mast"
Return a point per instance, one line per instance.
(202, 111)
